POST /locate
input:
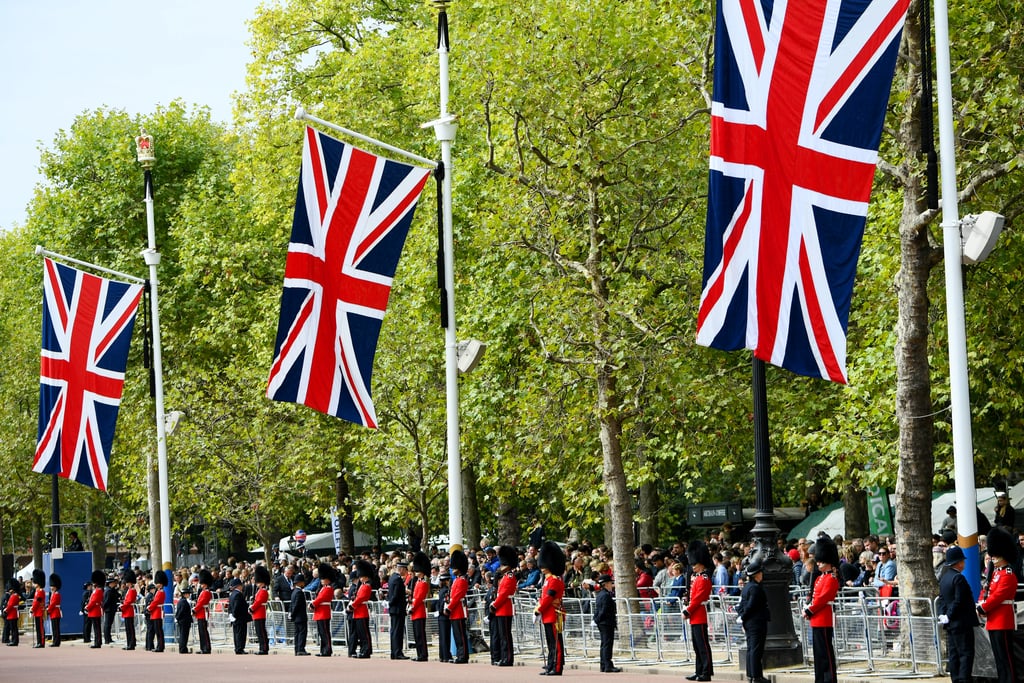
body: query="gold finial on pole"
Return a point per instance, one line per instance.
(144, 149)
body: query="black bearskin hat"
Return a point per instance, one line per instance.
(421, 563)
(326, 572)
(551, 558)
(364, 569)
(55, 582)
(128, 576)
(459, 561)
(160, 577)
(697, 553)
(205, 578)
(825, 550)
(261, 574)
(508, 556)
(100, 579)
(1002, 544)
(38, 577)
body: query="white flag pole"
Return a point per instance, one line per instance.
(40, 251)
(959, 390)
(302, 115)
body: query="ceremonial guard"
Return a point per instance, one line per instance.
(297, 614)
(444, 624)
(11, 613)
(397, 603)
(39, 606)
(753, 614)
(551, 560)
(957, 615)
(606, 620)
(996, 605)
(322, 609)
(819, 610)
(501, 606)
(238, 616)
(419, 589)
(258, 609)
(111, 602)
(455, 608)
(53, 610)
(128, 608)
(94, 609)
(156, 609)
(201, 611)
(350, 625)
(150, 629)
(359, 607)
(183, 620)
(696, 611)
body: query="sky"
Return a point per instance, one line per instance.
(59, 58)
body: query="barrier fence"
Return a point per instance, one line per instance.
(874, 635)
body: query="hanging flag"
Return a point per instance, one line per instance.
(87, 330)
(800, 92)
(352, 215)
(336, 530)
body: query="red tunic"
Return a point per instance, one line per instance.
(360, 610)
(700, 593)
(11, 611)
(201, 602)
(53, 609)
(826, 587)
(322, 604)
(259, 604)
(503, 599)
(39, 603)
(551, 599)
(156, 607)
(94, 608)
(998, 603)
(455, 607)
(418, 607)
(128, 604)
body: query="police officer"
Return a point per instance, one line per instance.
(957, 616)
(752, 612)
(397, 603)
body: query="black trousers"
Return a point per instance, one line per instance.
(351, 641)
(556, 649)
(1002, 653)
(183, 630)
(363, 643)
(323, 631)
(97, 625)
(262, 641)
(960, 648)
(607, 632)
(444, 637)
(86, 629)
(40, 631)
(108, 623)
(461, 636)
(129, 632)
(158, 633)
(301, 628)
(150, 634)
(239, 633)
(203, 627)
(757, 633)
(55, 631)
(397, 633)
(11, 631)
(822, 639)
(702, 650)
(506, 649)
(419, 636)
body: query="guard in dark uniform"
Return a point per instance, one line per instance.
(111, 601)
(397, 603)
(419, 589)
(752, 612)
(238, 615)
(444, 624)
(297, 614)
(350, 625)
(183, 620)
(606, 619)
(696, 611)
(958, 616)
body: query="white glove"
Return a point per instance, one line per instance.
(486, 621)
(943, 619)
(231, 618)
(739, 620)
(593, 622)
(535, 618)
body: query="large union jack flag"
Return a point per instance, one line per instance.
(87, 330)
(352, 215)
(800, 92)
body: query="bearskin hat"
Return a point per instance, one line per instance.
(459, 561)
(55, 582)
(100, 579)
(160, 577)
(13, 585)
(326, 572)
(697, 553)
(508, 556)
(205, 578)
(551, 558)
(421, 563)
(825, 550)
(261, 574)
(364, 569)
(38, 577)
(1002, 544)
(128, 576)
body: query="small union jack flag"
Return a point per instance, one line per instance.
(352, 215)
(87, 330)
(800, 91)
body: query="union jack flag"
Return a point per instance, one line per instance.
(800, 92)
(87, 330)
(352, 215)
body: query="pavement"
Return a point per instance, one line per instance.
(75, 661)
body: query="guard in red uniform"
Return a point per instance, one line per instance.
(53, 610)
(39, 606)
(258, 608)
(11, 613)
(501, 608)
(819, 610)
(94, 609)
(696, 610)
(551, 560)
(322, 609)
(996, 605)
(419, 589)
(361, 611)
(156, 609)
(201, 611)
(128, 607)
(455, 608)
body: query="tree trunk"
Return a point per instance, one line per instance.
(855, 505)
(648, 513)
(509, 530)
(470, 511)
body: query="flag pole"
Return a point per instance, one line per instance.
(302, 115)
(146, 157)
(444, 128)
(959, 390)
